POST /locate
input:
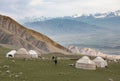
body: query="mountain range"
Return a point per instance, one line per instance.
(100, 30)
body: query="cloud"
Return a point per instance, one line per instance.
(36, 2)
(22, 8)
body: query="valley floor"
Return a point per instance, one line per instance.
(46, 70)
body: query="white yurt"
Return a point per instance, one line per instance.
(11, 54)
(100, 62)
(85, 63)
(33, 54)
(22, 53)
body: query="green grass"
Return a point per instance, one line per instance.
(45, 70)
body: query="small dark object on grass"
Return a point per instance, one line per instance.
(71, 64)
(55, 62)
(6, 66)
(53, 57)
(106, 66)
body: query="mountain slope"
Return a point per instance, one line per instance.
(14, 34)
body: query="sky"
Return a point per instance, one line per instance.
(55, 8)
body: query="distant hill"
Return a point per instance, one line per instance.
(91, 52)
(59, 26)
(14, 35)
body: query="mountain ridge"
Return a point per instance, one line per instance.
(95, 15)
(15, 34)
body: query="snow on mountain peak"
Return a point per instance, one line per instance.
(33, 19)
(100, 15)
(97, 15)
(76, 15)
(108, 14)
(117, 13)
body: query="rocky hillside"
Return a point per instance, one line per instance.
(17, 36)
(91, 52)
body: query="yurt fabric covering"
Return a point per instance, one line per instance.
(85, 63)
(33, 54)
(100, 62)
(11, 53)
(22, 53)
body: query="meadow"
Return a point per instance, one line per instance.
(46, 70)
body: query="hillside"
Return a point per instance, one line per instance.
(17, 36)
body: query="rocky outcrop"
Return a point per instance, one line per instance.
(91, 52)
(14, 34)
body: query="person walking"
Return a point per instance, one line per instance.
(55, 60)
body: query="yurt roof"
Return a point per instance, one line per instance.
(85, 57)
(22, 51)
(98, 59)
(85, 60)
(12, 52)
(32, 52)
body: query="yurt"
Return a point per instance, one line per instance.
(11, 54)
(85, 63)
(100, 62)
(33, 54)
(22, 53)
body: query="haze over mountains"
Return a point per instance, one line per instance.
(100, 31)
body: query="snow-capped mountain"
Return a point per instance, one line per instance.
(117, 13)
(97, 15)
(33, 19)
(109, 14)
(106, 15)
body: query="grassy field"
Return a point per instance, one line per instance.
(45, 70)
